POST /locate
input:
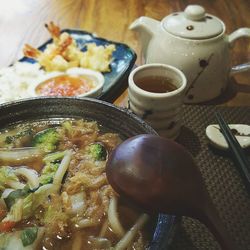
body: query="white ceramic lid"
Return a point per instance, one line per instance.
(193, 23)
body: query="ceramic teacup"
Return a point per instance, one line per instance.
(156, 93)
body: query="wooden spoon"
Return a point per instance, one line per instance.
(161, 176)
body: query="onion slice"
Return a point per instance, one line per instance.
(62, 170)
(30, 174)
(16, 184)
(19, 154)
(128, 238)
(6, 192)
(114, 219)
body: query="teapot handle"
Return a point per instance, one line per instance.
(242, 32)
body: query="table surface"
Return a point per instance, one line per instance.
(22, 21)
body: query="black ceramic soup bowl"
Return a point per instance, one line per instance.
(116, 119)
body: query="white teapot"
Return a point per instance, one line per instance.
(196, 43)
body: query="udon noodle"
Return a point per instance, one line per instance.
(54, 190)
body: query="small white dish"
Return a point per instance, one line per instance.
(97, 80)
(241, 132)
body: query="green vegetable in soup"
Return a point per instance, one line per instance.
(47, 140)
(27, 239)
(54, 157)
(7, 178)
(16, 194)
(98, 151)
(62, 169)
(52, 162)
(19, 137)
(48, 173)
(29, 235)
(25, 207)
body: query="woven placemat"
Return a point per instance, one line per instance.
(221, 177)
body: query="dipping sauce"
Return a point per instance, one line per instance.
(65, 85)
(155, 84)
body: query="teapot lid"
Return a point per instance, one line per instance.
(193, 23)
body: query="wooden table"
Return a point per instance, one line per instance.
(22, 21)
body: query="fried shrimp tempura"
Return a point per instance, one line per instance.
(63, 53)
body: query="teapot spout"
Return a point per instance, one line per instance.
(145, 24)
(146, 28)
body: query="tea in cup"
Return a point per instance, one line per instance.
(156, 93)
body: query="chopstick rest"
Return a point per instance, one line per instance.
(237, 151)
(217, 139)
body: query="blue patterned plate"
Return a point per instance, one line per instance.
(123, 61)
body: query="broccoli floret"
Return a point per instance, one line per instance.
(98, 151)
(46, 140)
(48, 173)
(52, 162)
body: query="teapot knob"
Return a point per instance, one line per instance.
(194, 12)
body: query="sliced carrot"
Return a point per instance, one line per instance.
(6, 226)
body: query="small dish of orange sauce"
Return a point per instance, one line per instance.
(73, 82)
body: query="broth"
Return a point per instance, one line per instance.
(67, 199)
(155, 84)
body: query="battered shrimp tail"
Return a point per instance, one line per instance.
(31, 52)
(64, 44)
(53, 30)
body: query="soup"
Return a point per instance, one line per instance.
(54, 191)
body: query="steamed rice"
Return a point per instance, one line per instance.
(19, 81)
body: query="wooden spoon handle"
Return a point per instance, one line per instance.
(212, 220)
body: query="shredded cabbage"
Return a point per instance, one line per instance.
(24, 208)
(62, 170)
(52, 164)
(48, 173)
(16, 212)
(74, 204)
(15, 240)
(14, 195)
(9, 179)
(67, 125)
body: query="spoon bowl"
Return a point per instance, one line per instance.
(161, 176)
(147, 170)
